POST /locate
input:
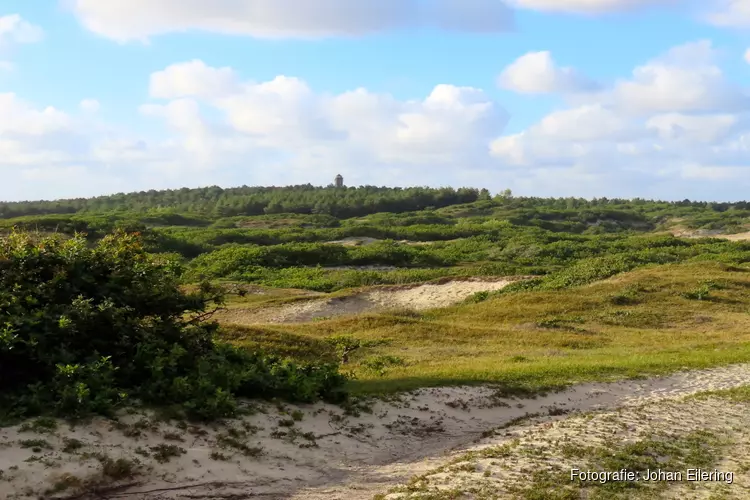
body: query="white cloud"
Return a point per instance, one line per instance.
(677, 119)
(713, 173)
(586, 123)
(269, 132)
(20, 118)
(193, 78)
(286, 113)
(47, 153)
(747, 56)
(700, 128)
(685, 79)
(729, 13)
(588, 6)
(536, 73)
(89, 105)
(209, 125)
(127, 20)
(595, 148)
(15, 30)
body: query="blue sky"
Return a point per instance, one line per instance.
(551, 98)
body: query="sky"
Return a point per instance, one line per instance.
(585, 98)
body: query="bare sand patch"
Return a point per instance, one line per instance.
(417, 297)
(319, 452)
(430, 296)
(354, 241)
(709, 233)
(735, 237)
(370, 267)
(366, 240)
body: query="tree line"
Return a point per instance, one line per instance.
(217, 202)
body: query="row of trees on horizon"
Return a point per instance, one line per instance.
(344, 202)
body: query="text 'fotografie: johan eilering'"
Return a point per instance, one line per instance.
(690, 475)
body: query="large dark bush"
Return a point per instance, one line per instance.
(84, 328)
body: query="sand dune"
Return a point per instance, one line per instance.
(411, 297)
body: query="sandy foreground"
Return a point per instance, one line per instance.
(319, 452)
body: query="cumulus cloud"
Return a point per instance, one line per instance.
(730, 13)
(678, 118)
(15, 30)
(48, 153)
(20, 118)
(210, 125)
(611, 143)
(537, 73)
(127, 20)
(193, 78)
(89, 105)
(219, 128)
(693, 128)
(286, 113)
(685, 79)
(586, 123)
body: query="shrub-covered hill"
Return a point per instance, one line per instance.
(91, 321)
(411, 235)
(359, 211)
(85, 328)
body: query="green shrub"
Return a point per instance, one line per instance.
(88, 327)
(627, 296)
(380, 363)
(701, 292)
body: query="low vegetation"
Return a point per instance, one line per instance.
(641, 322)
(149, 268)
(88, 328)
(125, 301)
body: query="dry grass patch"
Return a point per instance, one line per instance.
(642, 322)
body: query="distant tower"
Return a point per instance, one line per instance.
(339, 181)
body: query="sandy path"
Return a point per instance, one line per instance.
(411, 297)
(324, 454)
(539, 456)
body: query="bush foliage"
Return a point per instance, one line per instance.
(85, 327)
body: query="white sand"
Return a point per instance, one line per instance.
(354, 241)
(542, 445)
(366, 240)
(430, 296)
(709, 233)
(411, 297)
(350, 458)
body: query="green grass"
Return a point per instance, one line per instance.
(737, 394)
(542, 340)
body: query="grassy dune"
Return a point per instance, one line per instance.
(650, 321)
